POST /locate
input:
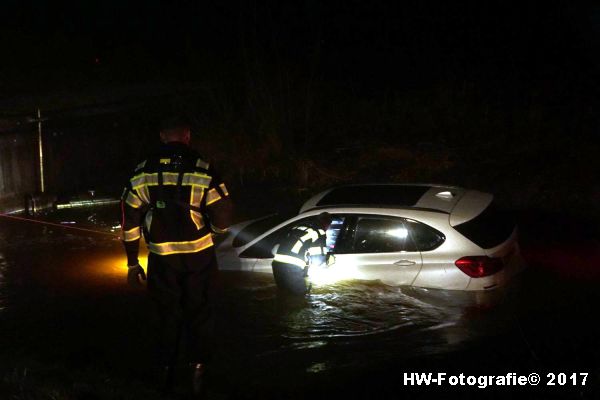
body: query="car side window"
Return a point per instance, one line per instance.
(262, 248)
(381, 235)
(425, 237)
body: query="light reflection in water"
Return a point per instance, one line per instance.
(335, 322)
(338, 320)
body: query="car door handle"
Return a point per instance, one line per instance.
(404, 263)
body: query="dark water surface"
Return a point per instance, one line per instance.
(64, 301)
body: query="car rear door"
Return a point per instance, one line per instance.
(379, 248)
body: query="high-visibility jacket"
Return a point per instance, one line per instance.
(302, 246)
(176, 200)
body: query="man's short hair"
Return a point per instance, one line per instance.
(175, 129)
(174, 123)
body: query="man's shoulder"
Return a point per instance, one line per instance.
(193, 158)
(140, 166)
(192, 162)
(147, 160)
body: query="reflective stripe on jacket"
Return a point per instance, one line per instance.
(300, 244)
(177, 200)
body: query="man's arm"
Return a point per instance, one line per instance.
(318, 248)
(133, 209)
(218, 205)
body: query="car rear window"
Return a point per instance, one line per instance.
(490, 228)
(256, 228)
(426, 238)
(399, 195)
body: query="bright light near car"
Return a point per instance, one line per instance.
(323, 275)
(400, 233)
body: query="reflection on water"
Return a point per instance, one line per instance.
(354, 323)
(345, 315)
(48, 274)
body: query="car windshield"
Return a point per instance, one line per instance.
(257, 228)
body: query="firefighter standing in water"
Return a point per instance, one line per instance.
(176, 200)
(305, 245)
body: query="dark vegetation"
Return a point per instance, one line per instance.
(297, 97)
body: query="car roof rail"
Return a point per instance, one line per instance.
(392, 206)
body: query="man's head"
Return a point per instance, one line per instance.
(175, 129)
(324, 220)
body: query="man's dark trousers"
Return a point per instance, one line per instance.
(180, 284)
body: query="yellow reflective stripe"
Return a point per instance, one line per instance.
(197, 219)
(311, 234)
(140, 165)
(181, 247)
(212, 196)
(195, 198)
(133, 200)
(216, 229)
(290, 260)
(165, 161)
(143, 179)
(224, 189)
(170, 178)
(143, 194)
(297, 246)
(195, 179)
(131, 235)
(202, 164)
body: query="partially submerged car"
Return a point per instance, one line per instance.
(427, 236)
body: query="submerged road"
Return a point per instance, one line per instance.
(70, 324)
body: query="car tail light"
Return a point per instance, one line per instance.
(479, 266)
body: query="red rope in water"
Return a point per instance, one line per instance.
(57, 225)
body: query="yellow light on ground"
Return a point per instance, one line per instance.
(115, 266)
(143, 260)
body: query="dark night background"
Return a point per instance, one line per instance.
(290, 97)
(498, 96)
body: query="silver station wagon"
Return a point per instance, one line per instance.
(428, 236)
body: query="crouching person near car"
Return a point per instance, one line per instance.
(303, 246)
